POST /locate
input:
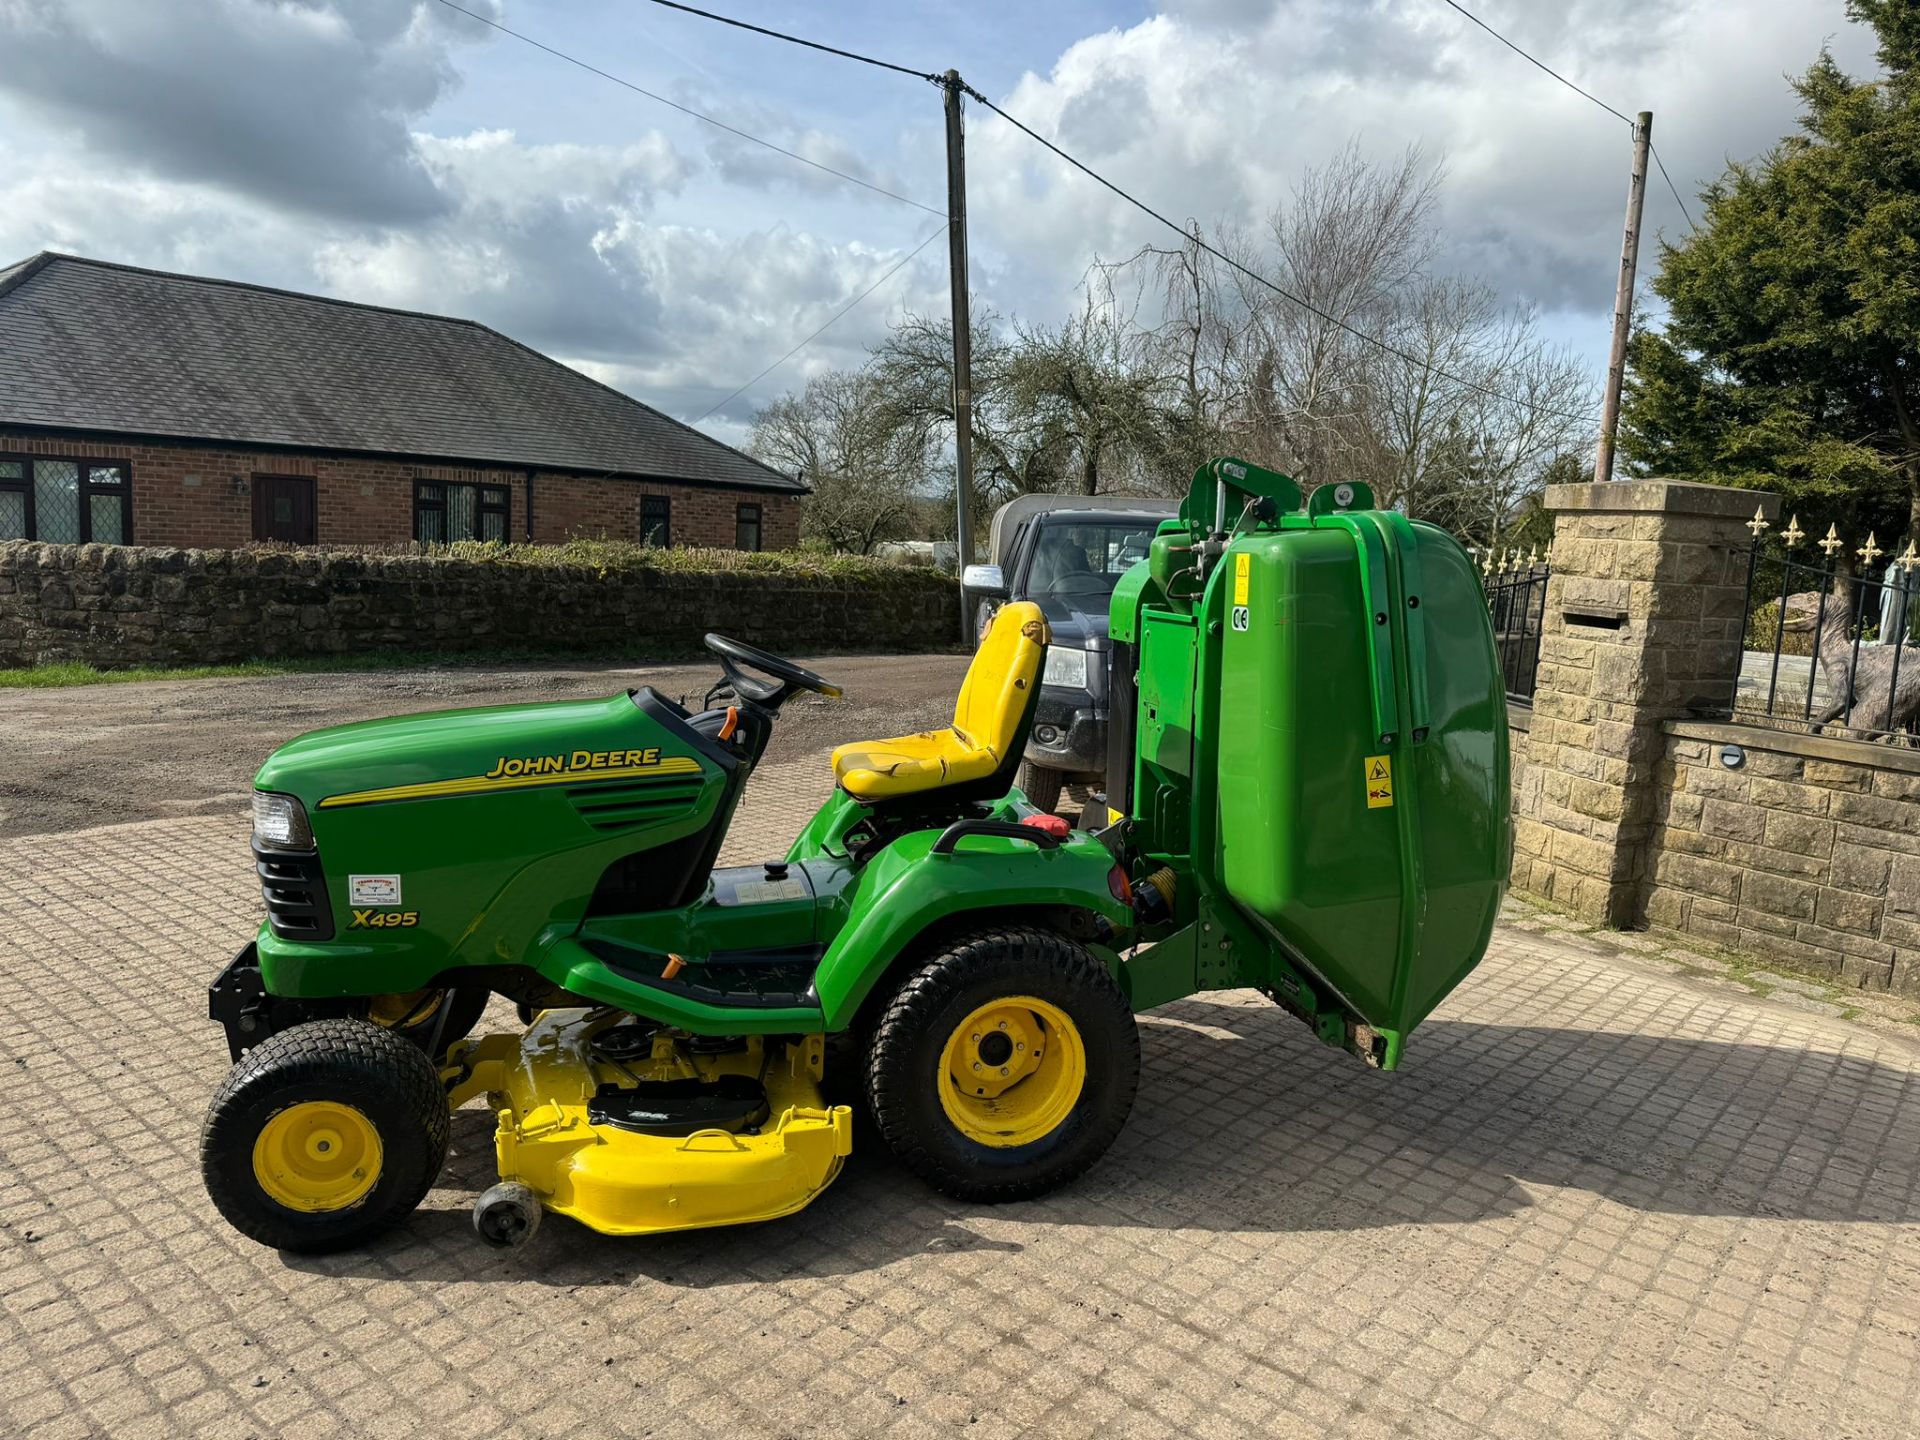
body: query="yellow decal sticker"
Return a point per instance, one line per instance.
(1379, 782)
(520, 772)
(1242, 576)
(384, 920)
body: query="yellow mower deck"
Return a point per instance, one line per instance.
(540, 1083)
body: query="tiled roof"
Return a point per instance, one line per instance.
(88, 345)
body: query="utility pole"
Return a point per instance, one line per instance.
(962, 336)
(1623, 297)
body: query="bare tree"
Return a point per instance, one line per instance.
(842, 435)
(1420, 384)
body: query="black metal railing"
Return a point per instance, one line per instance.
(1825, 648)
(1516, 589)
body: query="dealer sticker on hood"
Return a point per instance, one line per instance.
(373, 889)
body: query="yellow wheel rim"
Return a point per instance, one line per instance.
(1012, 1071)
(415, 1005)
(315, 1156)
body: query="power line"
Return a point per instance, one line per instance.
(687, 110)
(1671, 186)
(797, 40)
(1585, 95)
(1538, 64)
(888, 275)
(1258, 278)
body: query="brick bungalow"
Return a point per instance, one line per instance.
(138, 406)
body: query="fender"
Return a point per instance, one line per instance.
(906, 888)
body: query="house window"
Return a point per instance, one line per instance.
(746, 527)
(444, 512)
(65, 502)
(656, 520)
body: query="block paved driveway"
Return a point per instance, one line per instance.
(1602, 1198)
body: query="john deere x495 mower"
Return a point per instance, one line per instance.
(1308, 796)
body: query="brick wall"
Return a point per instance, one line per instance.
(1805, 848)
(119, 605)
(202, 496)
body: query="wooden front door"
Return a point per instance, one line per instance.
(283, 509)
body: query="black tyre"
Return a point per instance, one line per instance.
(324, 1135)
(415, 1016)
(1004, 1066)
(1041, 785)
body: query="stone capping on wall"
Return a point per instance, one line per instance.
(1659, 497)
(1792, 742)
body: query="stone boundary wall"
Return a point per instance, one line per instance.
(1804, 848)
(126, 605)
(1631, 810)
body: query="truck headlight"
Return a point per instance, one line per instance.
(280, 822)
(1065, 667)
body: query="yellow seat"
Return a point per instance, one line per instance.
(987, 719)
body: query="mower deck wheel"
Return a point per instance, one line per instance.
(506, 1215)
(323, 1135)
(1005, 1065)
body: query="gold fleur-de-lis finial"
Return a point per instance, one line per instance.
(1533, 557)
(1793, 534)
(1486, 566)
(1909, 558)
(1870, 551)
(1831, 542)
(1758, 524)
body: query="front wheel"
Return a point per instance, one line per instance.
(1004, 1067)
(324, 1135)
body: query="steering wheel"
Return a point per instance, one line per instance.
(792, 677)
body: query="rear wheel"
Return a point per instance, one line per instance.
(1004, 1067)
(1041, 785)
(324, 1135)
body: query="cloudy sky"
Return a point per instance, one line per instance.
(395, 151)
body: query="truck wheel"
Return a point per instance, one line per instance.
(1041, 786)
(324, 1135)
(1004, 1066)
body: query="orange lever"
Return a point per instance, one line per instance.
(732, 723)
(675, 964)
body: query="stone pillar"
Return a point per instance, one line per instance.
(1644, 624)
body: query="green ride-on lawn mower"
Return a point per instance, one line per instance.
(1308, 796)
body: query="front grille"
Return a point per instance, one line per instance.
(295, 890)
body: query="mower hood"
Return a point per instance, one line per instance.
(463, 752)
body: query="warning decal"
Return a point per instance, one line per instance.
(1379, 782)
(1242, 573)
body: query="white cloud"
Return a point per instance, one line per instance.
(331, 145)
(1213, 109)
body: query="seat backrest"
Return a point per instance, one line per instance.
(1003, 678)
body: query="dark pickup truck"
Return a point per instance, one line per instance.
(1065, 553)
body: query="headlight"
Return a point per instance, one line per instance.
(280, 823)
(1065, 667)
